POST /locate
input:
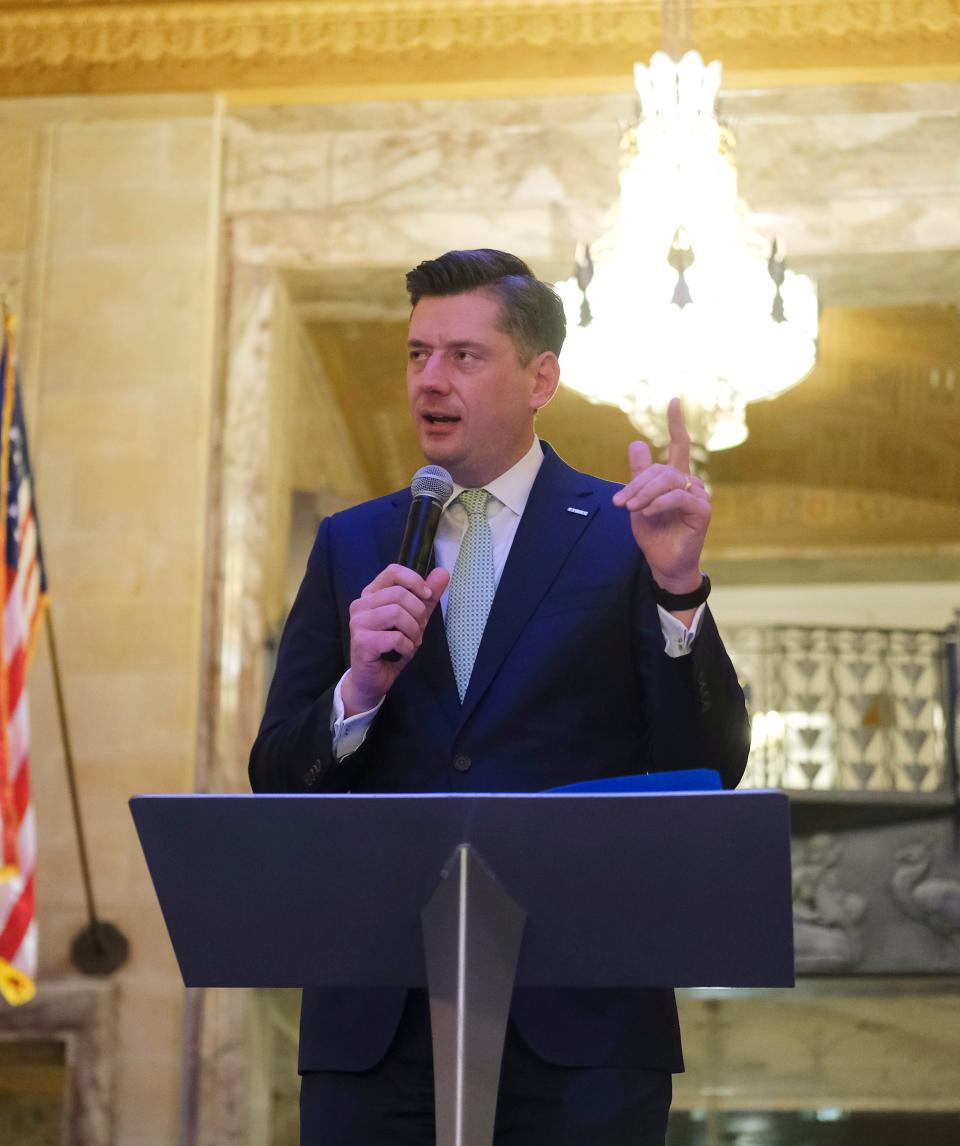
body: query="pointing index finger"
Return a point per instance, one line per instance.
(678, 452)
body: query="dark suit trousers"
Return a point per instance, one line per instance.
(539, 1105)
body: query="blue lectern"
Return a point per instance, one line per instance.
(470, 894)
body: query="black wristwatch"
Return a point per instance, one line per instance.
(678, 602)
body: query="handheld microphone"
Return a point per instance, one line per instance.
(430, 488)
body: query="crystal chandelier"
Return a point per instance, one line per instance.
(682, 296)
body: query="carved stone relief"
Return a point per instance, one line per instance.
(929, 897)
(826, 916)
(878, 901)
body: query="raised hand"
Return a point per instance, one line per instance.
(390, 614)
(669, 508)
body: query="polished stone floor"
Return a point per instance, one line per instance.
(812, 1128)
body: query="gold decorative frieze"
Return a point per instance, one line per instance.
(337, 48)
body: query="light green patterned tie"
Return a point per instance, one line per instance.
(471, 588)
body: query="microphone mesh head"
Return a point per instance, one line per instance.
(432, 481)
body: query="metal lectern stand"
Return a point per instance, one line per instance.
(471, 895)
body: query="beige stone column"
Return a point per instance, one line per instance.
(116, 242)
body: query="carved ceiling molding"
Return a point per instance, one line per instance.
(366, 46)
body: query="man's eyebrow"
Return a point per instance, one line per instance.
(456, 344)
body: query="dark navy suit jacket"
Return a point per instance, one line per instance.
(570, 683)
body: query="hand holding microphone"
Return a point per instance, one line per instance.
(388, 619)
(430, 490)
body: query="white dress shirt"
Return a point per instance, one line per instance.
(510, 493)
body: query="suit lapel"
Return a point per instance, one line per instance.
(433, 657)
(545, 536)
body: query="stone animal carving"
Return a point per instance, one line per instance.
(826, 917)
(933, 901)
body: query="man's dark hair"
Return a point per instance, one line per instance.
(530, 310)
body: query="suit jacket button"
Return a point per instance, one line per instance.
(462, 763)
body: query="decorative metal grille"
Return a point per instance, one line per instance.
(849, 711)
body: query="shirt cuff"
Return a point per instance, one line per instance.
(347, 733)
(677, 638)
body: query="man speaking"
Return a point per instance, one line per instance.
(561, 635)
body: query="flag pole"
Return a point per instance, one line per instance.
(100, 948)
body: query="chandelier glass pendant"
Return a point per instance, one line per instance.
(682, 297)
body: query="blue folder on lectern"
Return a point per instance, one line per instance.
(690, 780)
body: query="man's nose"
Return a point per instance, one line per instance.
(435, 374)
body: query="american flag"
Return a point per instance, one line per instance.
(24, 596)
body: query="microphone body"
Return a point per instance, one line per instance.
(431, 488)
(416, 549)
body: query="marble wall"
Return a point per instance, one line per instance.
(110, 224)
(852, 179)
(870, 1045)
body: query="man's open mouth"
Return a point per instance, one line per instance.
(440, 419)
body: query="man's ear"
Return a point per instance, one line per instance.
(546, 369)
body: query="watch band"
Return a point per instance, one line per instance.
(678, 602)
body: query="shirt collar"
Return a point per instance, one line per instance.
(513, 487)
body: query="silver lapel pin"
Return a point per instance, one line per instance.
(581, 512)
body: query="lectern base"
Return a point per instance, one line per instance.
(472, 931)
